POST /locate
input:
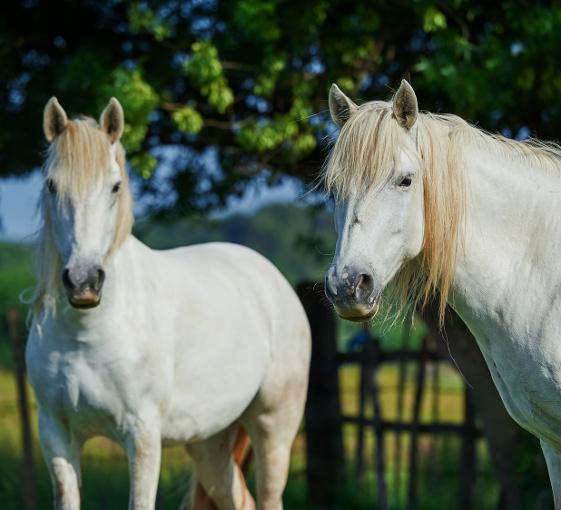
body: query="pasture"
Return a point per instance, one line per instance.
(105, 472)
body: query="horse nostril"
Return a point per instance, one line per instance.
(66, 281)
(98, 277)
(329, 287)
(364, 286)
(330, 292)
(101, 276)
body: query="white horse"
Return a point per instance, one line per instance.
(439, 205)
(184, 346)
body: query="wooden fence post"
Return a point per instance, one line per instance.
(363, 393)
(324, 442)
(416, 419)
(468, 465)
(373, 347)
(400, 403)
(17, 343)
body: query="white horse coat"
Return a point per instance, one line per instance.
(183, 346)
(492, 211)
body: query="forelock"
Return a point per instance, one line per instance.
(366, 151)
(78, 156)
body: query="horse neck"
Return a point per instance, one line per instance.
(507, 261)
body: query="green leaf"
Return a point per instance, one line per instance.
(188, 120)
(434, 20)
(205, 69)
(144, 19)
(144, 164)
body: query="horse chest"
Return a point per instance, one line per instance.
(86, 394)
(90, 397)
(529, 382)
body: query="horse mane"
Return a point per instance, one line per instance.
(75, 159)
(365, 155)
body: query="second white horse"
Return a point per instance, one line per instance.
(183, 346)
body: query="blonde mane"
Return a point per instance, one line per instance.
(75, 159)
(365, 155)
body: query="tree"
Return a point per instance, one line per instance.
(223, 92)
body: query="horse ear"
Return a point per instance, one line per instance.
(54, 119)
(340, 106)
(405, 107)
(112, 120)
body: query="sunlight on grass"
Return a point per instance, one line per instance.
(105, 471)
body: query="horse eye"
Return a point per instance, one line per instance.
(116, 188)
(51, 186)
(405, 182)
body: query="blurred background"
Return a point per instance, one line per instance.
(227, 129)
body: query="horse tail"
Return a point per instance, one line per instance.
(241, 453)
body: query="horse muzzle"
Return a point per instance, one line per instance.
(352, 293)
(83, 288)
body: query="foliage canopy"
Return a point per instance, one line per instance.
(224, 91)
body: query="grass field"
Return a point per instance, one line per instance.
(105, 476)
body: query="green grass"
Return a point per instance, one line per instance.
(105, 473)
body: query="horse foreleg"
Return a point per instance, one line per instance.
(62, 456)
(553, 460)
(144, 449)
